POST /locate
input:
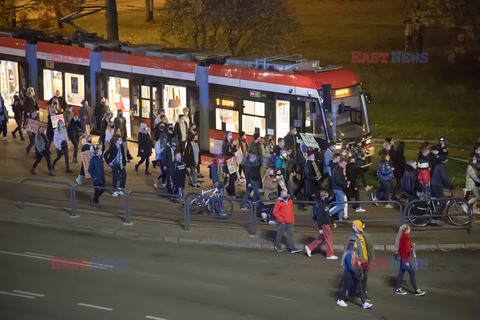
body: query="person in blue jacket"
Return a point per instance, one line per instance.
(97, 172)
(352, 275)
(385, 176)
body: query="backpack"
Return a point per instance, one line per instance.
(314, 212)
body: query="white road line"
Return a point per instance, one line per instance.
(16, 295)
(211, 285)
(38, 254)
(154, 318)
(278, 297)
(94, 306)
(35, 256)
(29, 293)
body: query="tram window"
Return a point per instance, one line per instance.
(74, 88)
(174, 100)
(230, 117)
(52, 81)
(9, 81)
(251, 123)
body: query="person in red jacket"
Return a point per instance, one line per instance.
(404, 247)
(283, 211)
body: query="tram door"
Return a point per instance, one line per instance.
(136, 107)
(150, 103)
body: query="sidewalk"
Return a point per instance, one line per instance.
(157, 230)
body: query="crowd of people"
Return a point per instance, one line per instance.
(275, 173)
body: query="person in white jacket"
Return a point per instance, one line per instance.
(60, 141)
(471, 182)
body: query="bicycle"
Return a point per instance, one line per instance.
(421, 213)
(221, 208)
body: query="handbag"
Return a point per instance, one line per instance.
(396, 257)
(273, 196)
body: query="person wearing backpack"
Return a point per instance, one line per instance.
(324, 221)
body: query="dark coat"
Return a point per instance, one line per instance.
(399, 163)
(86, 117)
(178, 172)
(95, 169)
(252, 172)
(122, 125)
(228, 149)
(30, 105)
(338, 179)
(440, 177)
(74, 129)
(111, 153)
(188, 155)
(145, 144)
(167, 158)
(323, 217)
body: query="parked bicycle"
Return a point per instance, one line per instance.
(221, 208)
(421, 213)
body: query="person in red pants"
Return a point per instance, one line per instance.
(324, 221)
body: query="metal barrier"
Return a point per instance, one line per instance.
(449, 202)
(190, 197)
(72, 192)
(90, 186)
(128, 197)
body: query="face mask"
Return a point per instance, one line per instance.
(119, 143)
(272, 174)
(475, 161)
(162, 128)
(285, 198)
(179, 159)
(120, 115)
(89, 141)
(195, 140)
(70, 109)
(40, 131)
(99, 154)
(61, 125)
(229, 137)
(284, 155)
(182, 121)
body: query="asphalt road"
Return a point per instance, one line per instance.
(174, 281)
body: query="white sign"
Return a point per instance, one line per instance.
(309, 140)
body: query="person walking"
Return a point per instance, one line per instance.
(97, 173)
(327, 158)
(364, 250)
(167, 157)
(253, 178)
(87, 146)
(339, 184)
(178, 172)
(403, 247)
(104, 124)
(243, 146)
(17, 115)
(60, 140)
(68, 116)
(399, 163)
(192, 158)
(385, 176)
(352, 276)
(270, 188)
(291, 141)
(29, 104)
(121, 123)
(74, 131)
(360, 160)
(41, 151)
(352, 172)
(323, 219)
(31, 135)
(3, 119)
(229, 147)
(181, 130)
(86, 118)
(144, 147)
(471, 182)
(115, 158)
(283, 212)
(100, 110)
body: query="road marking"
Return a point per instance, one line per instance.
(29, 293)
(36, 256)
(154, 318)
(94, 306)
(211, 285)
(278, 297)
(16, 295)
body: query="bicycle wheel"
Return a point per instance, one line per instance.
(459, 212)
(196, 205)
(419, 216)
(222, 208)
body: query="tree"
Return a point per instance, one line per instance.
(460, 15)
(149, 10)
(112, 20)
(234, 26)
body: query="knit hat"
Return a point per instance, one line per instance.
(358, 224)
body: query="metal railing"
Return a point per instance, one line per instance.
(128, 199)
(346, 203)
(70, 187)
(91, 186)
